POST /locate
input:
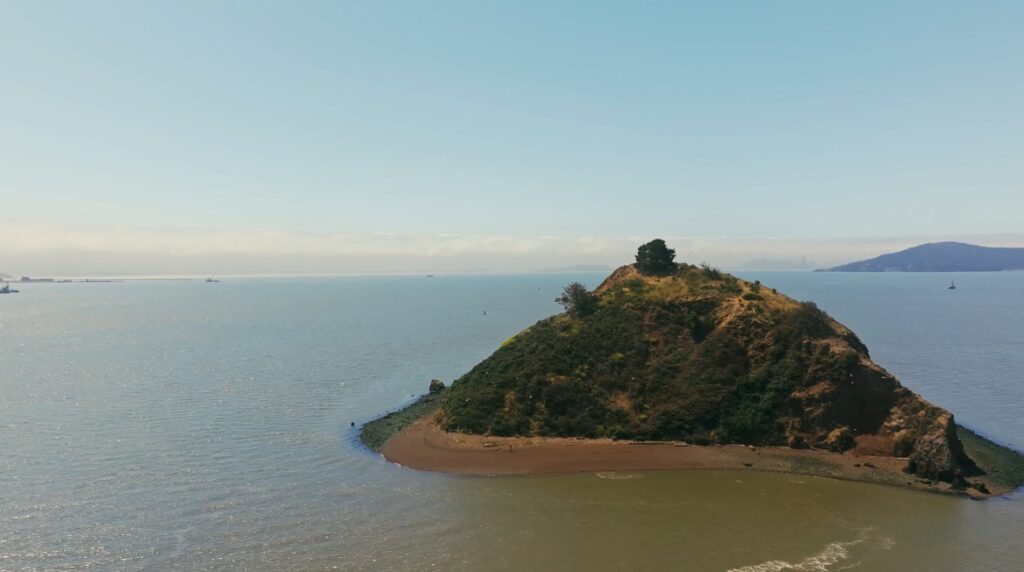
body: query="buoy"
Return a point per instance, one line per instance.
(353, 424)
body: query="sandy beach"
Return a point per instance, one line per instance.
(424, 446)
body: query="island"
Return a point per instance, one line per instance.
(668, 365)
(941, 257)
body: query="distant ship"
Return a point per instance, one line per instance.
(212, 279)
(6, 289)
(952, 285)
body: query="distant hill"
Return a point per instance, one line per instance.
(941, 257)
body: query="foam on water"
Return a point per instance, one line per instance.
(832, 554)
(616, 476)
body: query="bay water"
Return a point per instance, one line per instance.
(156, 425)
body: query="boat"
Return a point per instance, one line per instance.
(952, 285)
(212, 279)
(5, 288)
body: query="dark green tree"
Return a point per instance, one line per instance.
(577, 300)
(655, 258)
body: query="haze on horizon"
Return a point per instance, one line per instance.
(321, 137)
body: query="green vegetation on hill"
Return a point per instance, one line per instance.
(577, 300)
(655, 258)
(669, 351)
(653, 362)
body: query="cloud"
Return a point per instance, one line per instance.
(124, 250)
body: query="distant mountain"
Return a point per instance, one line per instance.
(941, 257)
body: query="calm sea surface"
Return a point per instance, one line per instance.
(193, 426)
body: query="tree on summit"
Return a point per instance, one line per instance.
(655, 258)
(577, 300)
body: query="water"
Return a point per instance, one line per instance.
(192, 426)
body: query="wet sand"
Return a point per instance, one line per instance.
(424, 446)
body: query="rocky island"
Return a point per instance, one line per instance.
(670, 365)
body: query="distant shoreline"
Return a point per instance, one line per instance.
(411, 438)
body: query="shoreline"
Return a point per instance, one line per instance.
(411, 438)
(375, 433)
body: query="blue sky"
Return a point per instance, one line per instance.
(794, 120)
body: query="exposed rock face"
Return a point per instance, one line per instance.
(703, 357)
(937, 452)
(436, 386)
(871, 402)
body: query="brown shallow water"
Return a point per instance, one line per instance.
(726, 520)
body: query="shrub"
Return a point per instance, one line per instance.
(578, 300)
(655, 258)
(710, 272)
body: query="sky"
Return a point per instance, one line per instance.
(331, 137)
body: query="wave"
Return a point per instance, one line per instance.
(832, 554)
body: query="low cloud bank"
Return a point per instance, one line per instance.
(42, 250)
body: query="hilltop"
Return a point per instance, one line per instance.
(693, 355)
(941, 257)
